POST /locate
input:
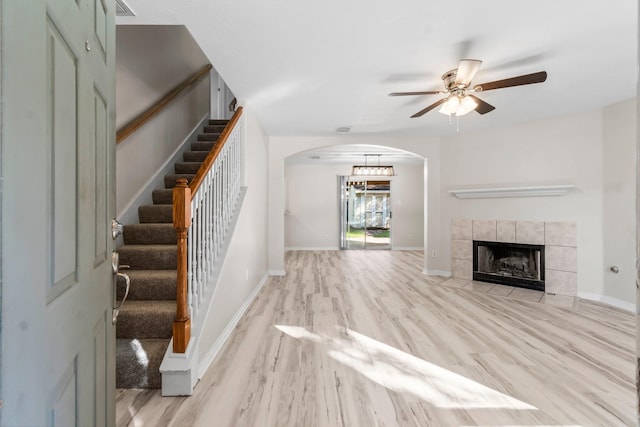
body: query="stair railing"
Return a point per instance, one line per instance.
(202, 214)
(157, 107)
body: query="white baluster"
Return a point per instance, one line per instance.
(212, 208)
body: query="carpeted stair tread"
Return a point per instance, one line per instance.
(155, 214)
(138, 362)
(213, 122)
(187, 167)
(150, 234)
(162, 196)
(214, 129)
(195, 156)
(149, 285)
(202, 146)
(149, 257)
(146, 319)
(171, 180)
(208, 136)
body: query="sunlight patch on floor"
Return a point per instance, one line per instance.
(141, 355)
(405, 373)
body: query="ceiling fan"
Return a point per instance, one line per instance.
(460, 98)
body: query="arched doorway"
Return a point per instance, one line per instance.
(326, 207)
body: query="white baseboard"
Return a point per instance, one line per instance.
(277, 273)
(313, 248)
(614, 302)
(335, 248)
(436, 273)
(224, 336)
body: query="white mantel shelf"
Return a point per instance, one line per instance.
(526, 191)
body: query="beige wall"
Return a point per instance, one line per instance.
(245, 265)
(619, 208)
(150, 61)
(563, 150)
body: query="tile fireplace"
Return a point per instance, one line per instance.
(555, 270)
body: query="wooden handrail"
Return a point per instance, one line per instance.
(182, 195)
(134, 124)
(213, 154)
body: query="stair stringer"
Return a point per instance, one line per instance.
(181, 371)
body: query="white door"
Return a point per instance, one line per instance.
(57, 148)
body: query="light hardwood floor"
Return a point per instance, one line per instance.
(363, 338)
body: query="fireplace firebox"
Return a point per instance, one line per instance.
(513, 264)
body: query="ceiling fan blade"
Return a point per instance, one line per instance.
(467, 69)
(483, 107)
(525, 79)
(429, 108)
(428, 92)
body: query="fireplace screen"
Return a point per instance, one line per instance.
(509, 264)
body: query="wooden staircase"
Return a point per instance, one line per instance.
(144, 327)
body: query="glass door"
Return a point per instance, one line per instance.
(365, 214)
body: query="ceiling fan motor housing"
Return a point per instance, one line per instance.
(449, 79)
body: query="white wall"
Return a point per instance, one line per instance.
(312, 219)
(619, 215)
(221, 97)
(282, 147)
(564, 150)
(245, 265)
(152, 60)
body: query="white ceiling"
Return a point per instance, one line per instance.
(306, 68)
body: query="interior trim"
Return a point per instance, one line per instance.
(523, 191)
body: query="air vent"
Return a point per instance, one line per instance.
(343, 129)
(122, 9)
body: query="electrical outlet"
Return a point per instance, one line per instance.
(434, 253)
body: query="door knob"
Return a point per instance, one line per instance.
(115, 263)
(116, 228)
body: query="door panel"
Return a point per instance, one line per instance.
(58, 175)
(100, 351)
(61, 128)
(62, 410)
(101, 23)
(101, 156)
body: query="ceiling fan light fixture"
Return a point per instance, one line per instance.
(467, 105)
(450, 106)
(458, 105)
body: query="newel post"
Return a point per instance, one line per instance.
(181, 222)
